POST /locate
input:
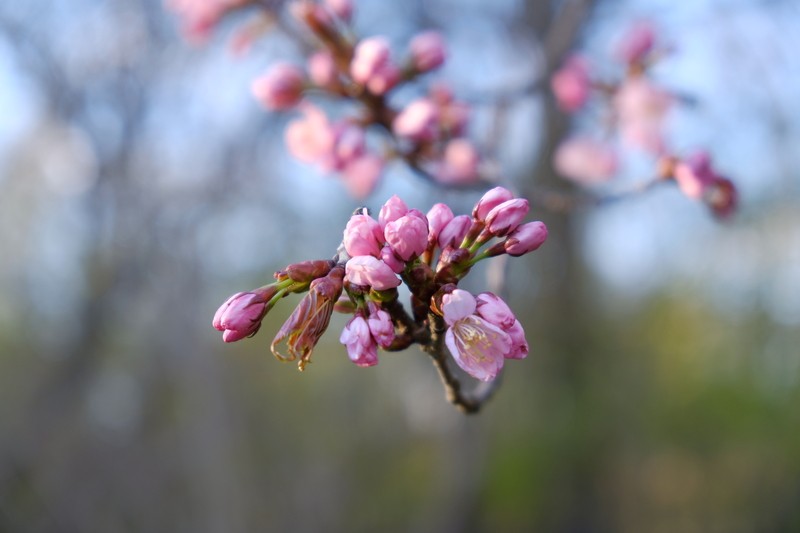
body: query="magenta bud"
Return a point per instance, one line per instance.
(241, 314)
(418, 122)
(489, 201)
(308, 271)
(363, 236)
(322, 70)
(526, 238)
(505, 217)
(361, 346)
(380, 326)
(366, 270)
(388, 257)
(571, 84)
(455, 231)
(372, 65)
(393, 209)
(408, 236)
(438, 217)
(637, 43)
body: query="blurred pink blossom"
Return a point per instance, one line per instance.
(427, 51)
(459, 164)
(571, 84)
(322, 69)
(641, 108)
(372, 65)
(418, 121)
(637, 43)
(280, 88)
(585, 160)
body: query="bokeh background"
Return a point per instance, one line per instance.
(140, 185)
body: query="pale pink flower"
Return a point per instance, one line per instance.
(641, 108)
(280, 88)
(380, 326)
(585, 160)
(363, 236)
(504, 218)
(388, 256)
(489, 201)
(408, 236)
(455, 231)
(477, 346)
(310, 138)
(427, 51)
(459, 163)
(200, 16)
(571, 84)
(349, 145)
(438, 217)
(372, 65)
(361, 346)
(241, 314)
(526, 238)
(369, 271)
(493, 309)
(393, 209)
(637, 43)
(362, 174)
(322, 69)
(418, 121)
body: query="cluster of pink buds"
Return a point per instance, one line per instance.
(429, 253)
(637, 107)
(429, 133)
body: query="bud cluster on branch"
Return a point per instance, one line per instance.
(429, 253)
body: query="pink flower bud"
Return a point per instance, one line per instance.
(438, 217)
(388, 257)
(350, 145)
(418, 121)
(361, 347)
(427, 51)
(489, 201)
(280, 88)
(455, 231)
(241, 314)
(526, 238)
(393, 209)
(367, 270)
(722, 198)
(381, 327)
(504, 218)
(322, 70)
(585, 160)
(341, 8)
(363, 236)
(571, 84)
(637, 43)
(459, 164)
(372, 65)
(493, 309)
(408, 236)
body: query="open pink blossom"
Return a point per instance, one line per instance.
(491, 199)
(372, 65)
(585, 160)
(493, 309)
(361, 346)
(477, 346)
(372, 272)
(408, 236)
(427, 51)
(280, 88)
(571, 84)
(526, 238)
(363, 236)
